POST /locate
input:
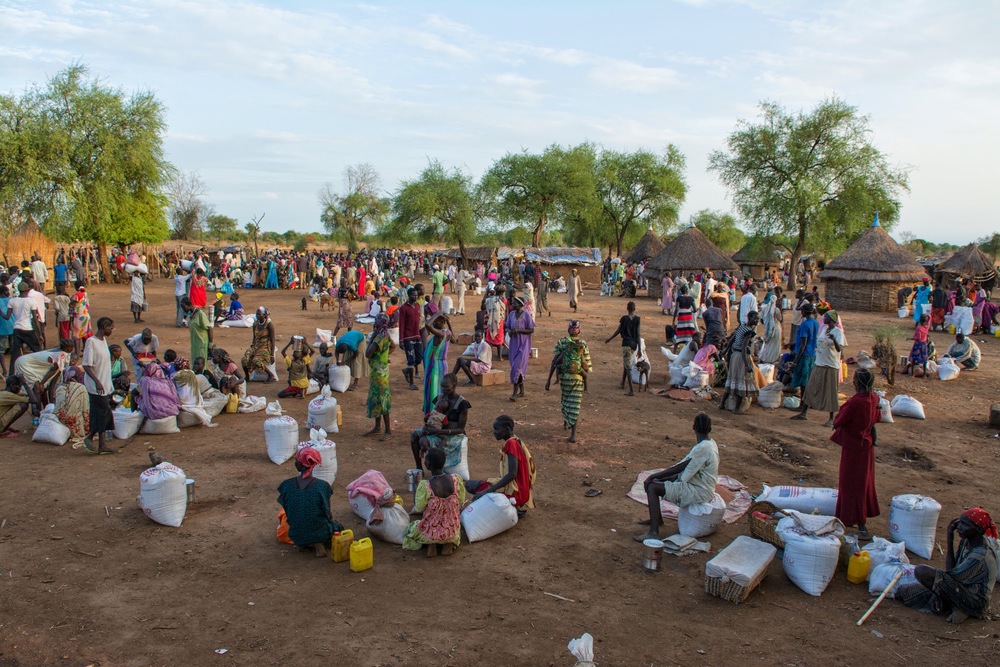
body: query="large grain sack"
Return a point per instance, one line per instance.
(447, 305)
(163, 426)
(50, 430)
(281, 435)
(810, 559)
(907, 406)
(163, 494)
(489, 516)
(947, 369)
(262, 376)
(767, 370)
(770, 396)
(324, 336)
(913, 521)
(462, 468)
(392, 527)
(215, 404)
(127, 423)
(885, 409)
(187, 419)
(323, 411)
(327, 469)
(801, 499)
(701, 520)
(340, 378)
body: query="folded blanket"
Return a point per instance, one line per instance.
(373, 486)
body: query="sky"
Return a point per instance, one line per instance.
(269, 100)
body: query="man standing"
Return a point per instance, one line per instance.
(78, 269)
(26, 332)
(462, 279)
(301, 266)
(39, 271)
(97, 366)
(437, 279)
(748, 303)
(409, 335)
(41, 303)
(181, 288)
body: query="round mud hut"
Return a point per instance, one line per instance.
(868, 274)
(969, 262)
(648, 247)
(689, 252)
(759, 257)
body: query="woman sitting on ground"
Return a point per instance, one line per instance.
(517, 469)
(690, 482)
(685, 356)
(156, 395)
(440, 499)
(450, 437)
(306, 501)
(965, 586)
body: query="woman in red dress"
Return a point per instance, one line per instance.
(199, 289)
(854, 431)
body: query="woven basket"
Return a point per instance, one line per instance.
(730, 590)
(761, 529)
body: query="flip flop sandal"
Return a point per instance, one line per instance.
(592, 493)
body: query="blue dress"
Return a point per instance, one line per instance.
(272, 276)
(922, 298)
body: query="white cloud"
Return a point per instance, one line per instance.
(633, 77)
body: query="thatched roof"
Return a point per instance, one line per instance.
(585, 256)
(969, 262)
(649, 246)
(691, 251)
(759, 251)
(874, 257)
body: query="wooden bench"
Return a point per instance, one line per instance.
(490, 379)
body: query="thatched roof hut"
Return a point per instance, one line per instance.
(868, 274)
(690, 251)
(759, 256)
(648, 247)
(586, 261)
(969, 262)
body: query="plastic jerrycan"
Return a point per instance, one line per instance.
(362, 557)
(857, 568)
(342, 546)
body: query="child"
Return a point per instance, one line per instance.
(298, 370)
(440, 499)
(517, 469)
(61, 305)
(919, 353)
(321, 366)
(120, 379)
(438, 417)
(169, 362)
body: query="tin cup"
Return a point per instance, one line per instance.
(652, 555)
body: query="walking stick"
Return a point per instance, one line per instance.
(878, 601)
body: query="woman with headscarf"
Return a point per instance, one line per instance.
(72, 403)
(854, 431)
(439, 334)
(260, 356)
(965, 586)
(770, 316)
(496, 311)
(575, 289)
(306, 502)
(741, 378)
(571, 360)
(271, 282)
(529, 298)
(520, 325)
(822, 389)
(157, 396)
(80, 328)
(379, 397)
(684, 324)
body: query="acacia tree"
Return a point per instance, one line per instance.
(221, 226)
(808, 175)
(639, 190)
(253, 232)
(360, 205)
(97, 172)
(536, 189)
(437, 206)
(720, 228)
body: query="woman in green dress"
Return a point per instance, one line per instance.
(572, 361)
(306, 501)
(379, 398)
(200, 327)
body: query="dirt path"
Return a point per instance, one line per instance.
(87, 579)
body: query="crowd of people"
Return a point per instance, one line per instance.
(718, 328)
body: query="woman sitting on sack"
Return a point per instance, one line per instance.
(450, 436)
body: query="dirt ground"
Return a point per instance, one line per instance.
(88, 580)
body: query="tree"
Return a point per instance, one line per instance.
(814, 175)
(188, 211)
(99, 171)
(536, 189)
(436, 207)
(639, 190)
(720, 228)
(221, 226)
(253, 232)
(990, 245)
(361, 204)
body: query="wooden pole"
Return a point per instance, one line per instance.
(878, 601)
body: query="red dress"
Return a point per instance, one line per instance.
(856, 498)
(198, 293)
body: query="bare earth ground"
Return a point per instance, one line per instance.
(81, 585)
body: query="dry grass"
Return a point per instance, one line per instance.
(969, 261)
(22, 244)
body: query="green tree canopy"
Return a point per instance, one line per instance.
(436, 207)
(360, 205)
(221, 226)
(534, 190)
(639, 190)
(809, 175)
(721, 229)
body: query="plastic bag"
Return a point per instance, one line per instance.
(582, 649)
(791, 402)
(274, 408)
(882, 551)
(881, 575)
